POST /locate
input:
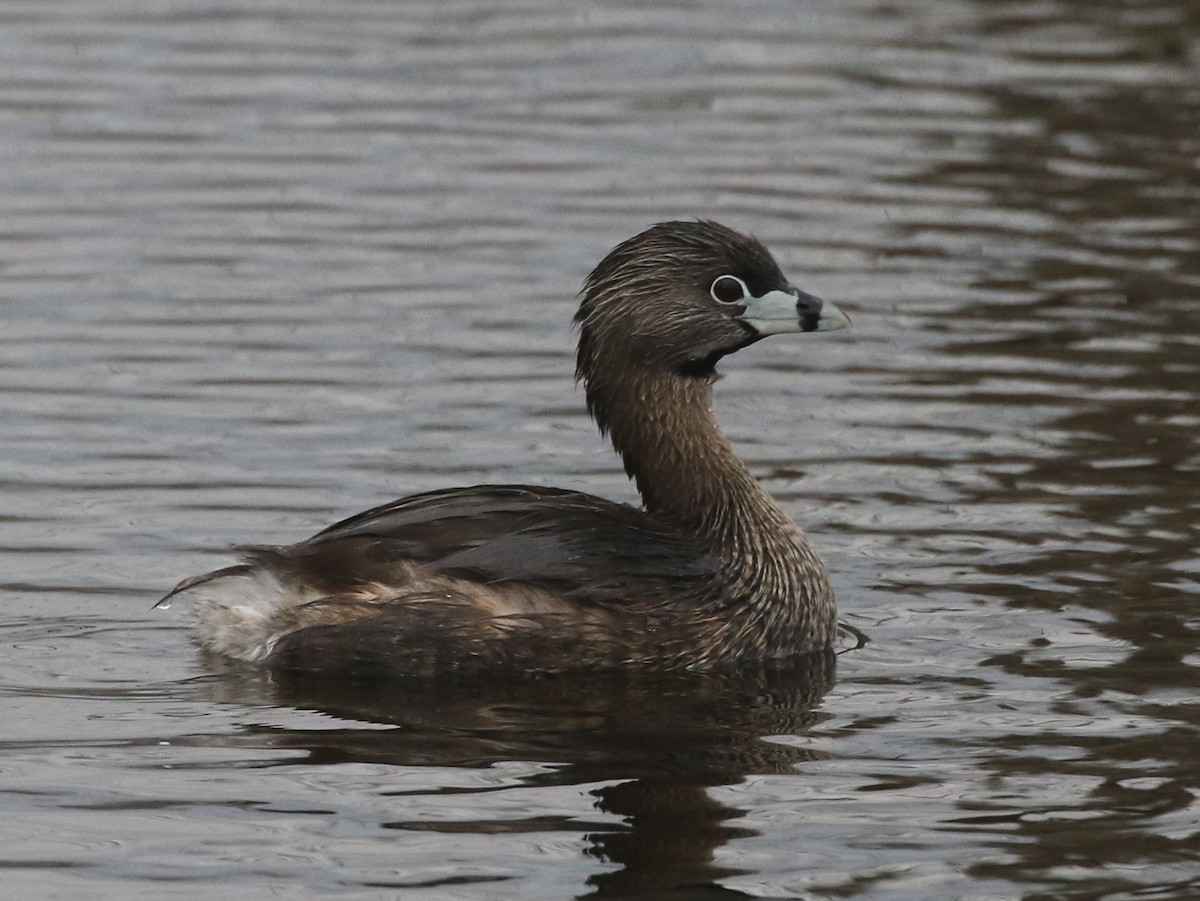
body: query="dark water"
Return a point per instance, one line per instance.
(267, 263)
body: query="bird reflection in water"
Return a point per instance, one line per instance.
(655, 742)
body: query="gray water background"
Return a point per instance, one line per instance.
(263, 264)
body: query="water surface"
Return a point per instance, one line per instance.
(266, 264)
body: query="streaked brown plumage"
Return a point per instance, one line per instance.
(709, 574)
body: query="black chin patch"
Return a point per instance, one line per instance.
(703, 368)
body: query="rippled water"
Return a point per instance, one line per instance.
(265, 264)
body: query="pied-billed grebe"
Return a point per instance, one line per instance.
(710, 573)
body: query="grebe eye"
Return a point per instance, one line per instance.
(729, 289)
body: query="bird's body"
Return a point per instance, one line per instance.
(518, 578)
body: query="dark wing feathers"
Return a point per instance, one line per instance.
(576, 545)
